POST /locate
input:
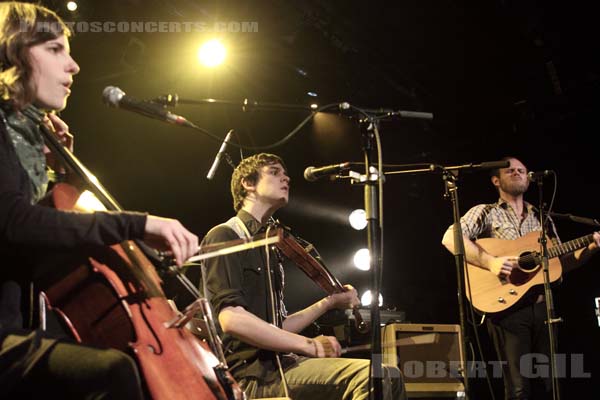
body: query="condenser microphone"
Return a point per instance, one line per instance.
(536, 176)
(215, 164)
(311, 174)
(115, 97)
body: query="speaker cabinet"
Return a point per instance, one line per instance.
(429, 356)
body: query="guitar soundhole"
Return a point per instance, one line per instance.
(528, 262)
(527, 268)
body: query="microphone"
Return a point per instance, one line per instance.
(115, 97)
(215, 164)
(536, 176)
(311, 174)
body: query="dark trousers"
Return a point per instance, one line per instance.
(518, 336)
(72, 371)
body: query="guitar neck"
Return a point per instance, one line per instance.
(570, 246)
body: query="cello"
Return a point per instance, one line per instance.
(112, 297)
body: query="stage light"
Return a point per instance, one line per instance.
(312, 94)
(314, 106)
(358, 219)
(362, 259)
(71, 6)
(212, 53)
(367, 297)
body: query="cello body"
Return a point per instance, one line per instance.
(112, 297)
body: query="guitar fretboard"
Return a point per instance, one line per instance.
(570, 246)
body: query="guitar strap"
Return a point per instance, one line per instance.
(236, 225)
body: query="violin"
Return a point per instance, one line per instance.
(314, 268)
(112, 297)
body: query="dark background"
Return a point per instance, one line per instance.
(501, 77)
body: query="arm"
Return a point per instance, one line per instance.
(253, 330)
(247, 327)
(23, 223)
(475, 254)
(301, 319)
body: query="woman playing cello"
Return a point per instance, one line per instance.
(36, 72)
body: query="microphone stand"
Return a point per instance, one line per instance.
(575, 218)
(246, 104)
(450, 177)
(374, 244)
(373, 188)
(551, 320)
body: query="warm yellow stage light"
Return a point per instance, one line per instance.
(71, 6)
(212, 53)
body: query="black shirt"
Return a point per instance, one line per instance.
(240, 279)
(28, 234)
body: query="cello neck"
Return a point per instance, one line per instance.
(74, 165)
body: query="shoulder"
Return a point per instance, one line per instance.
(220, 233)
(482, 208)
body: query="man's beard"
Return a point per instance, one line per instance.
(514, 188)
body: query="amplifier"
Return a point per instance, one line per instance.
(429, 356)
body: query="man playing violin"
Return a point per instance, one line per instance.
(253, 318)
(36, 72)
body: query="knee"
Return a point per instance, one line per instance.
(117, 363)
(395, 383)
(121, 374)
(392, 372)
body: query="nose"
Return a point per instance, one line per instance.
(72, 66)
(286, 178)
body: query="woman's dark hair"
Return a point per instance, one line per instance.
(23, 25)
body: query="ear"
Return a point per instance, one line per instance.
(496, 181)
(248, 186)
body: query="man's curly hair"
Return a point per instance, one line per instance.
(249, 170)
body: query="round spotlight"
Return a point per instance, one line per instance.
(212, 53)
(314, 106)
(362, 259)
(367, 297)
(71, 6)
(358, 219)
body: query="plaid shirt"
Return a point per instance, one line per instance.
(500, 221)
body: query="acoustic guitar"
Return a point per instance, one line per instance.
(491, 294)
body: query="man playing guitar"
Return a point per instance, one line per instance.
(519, 328)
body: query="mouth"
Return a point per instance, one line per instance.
(67, 86)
